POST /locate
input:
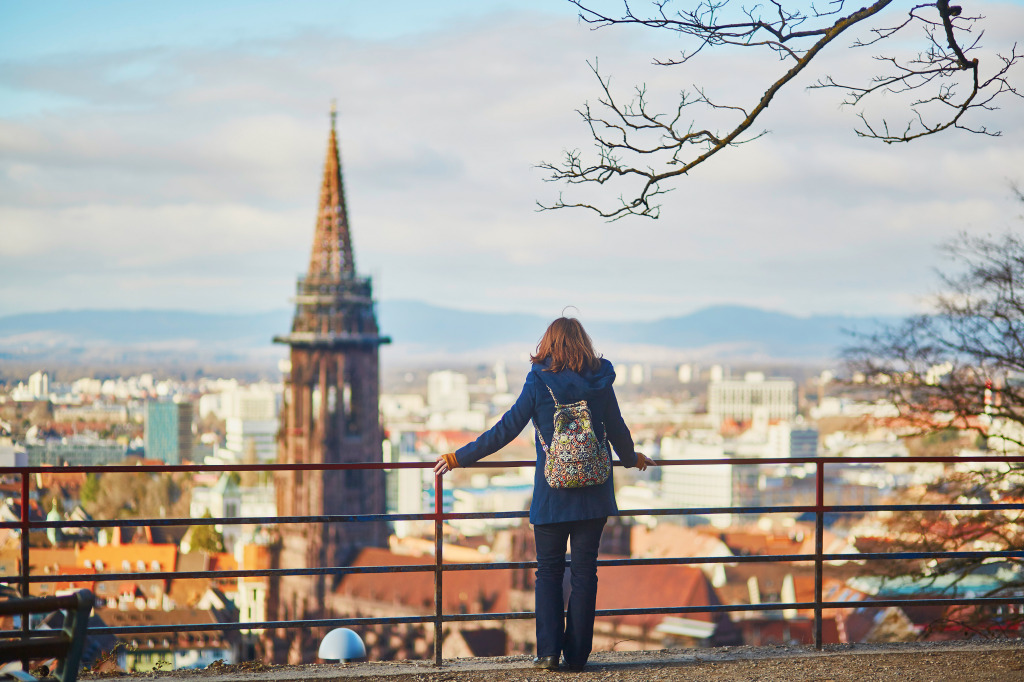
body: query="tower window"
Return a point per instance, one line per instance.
(351, 410)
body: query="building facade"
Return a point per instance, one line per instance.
(329, 415)
(256, 437)
(752, 397)
(75, 452)
(168, 431)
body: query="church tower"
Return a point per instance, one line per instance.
(329, 415)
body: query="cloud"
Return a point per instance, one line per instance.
(188, 176)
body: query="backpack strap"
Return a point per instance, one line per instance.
(543, 445)
(536, 426)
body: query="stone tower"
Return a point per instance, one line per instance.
(329, 415)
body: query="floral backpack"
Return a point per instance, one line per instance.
(576, 458)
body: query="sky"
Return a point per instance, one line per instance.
(168, 156)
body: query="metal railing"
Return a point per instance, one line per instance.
(25, 526)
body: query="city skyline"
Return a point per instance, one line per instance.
(168, 158)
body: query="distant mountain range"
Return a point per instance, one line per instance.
(419, 332)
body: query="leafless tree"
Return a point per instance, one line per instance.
(961, 368)
(641, 150)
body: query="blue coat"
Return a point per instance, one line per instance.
(556, 505)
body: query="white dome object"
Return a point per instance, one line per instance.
(341, 644)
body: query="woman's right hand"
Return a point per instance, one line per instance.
(445, 463)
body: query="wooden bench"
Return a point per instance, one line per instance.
(65, 645)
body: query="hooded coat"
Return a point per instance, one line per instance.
(552, 505)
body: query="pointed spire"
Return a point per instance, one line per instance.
(332, 244)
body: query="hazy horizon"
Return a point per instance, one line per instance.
(570, 311)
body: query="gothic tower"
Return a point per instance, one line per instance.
(330, 415)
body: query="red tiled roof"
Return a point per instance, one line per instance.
(223, 561)
(753, 542)
(114, 556)
(668, 540)
(464, 591)
(75, 570)
(623, 587)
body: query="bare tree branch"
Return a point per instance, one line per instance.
(644, 149)
(961, 366)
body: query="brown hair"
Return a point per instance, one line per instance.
(568, 345)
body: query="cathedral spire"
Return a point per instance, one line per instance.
(331, 258)
(333, 306)
(330, 415)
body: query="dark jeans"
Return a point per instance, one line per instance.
(571, 635)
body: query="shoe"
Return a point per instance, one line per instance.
(546, 663)
(574, 668)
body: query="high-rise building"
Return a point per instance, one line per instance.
(250, 417)
(39, 385)
(329, 415)
(752, 397)
(168, 431)
(258, 435)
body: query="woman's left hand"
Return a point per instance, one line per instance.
(642, 461)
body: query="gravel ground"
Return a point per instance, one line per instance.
(996, 661)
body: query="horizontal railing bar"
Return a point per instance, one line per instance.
(223, 520)
(269, 625)
(214, 575)
(875, 556)
(741, 461)
(847, 508)
(464, 516)
(954, 601)
(725, 608)
(782, 558)
(739, 559)
(266, 572)
(467, 617)
(208, 468)
(522, 615)
(458, 516)
(708, 608)
(803, 508)
(256, 520)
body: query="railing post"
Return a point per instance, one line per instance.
(24, 558)
(819, 541)
(438, 545)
